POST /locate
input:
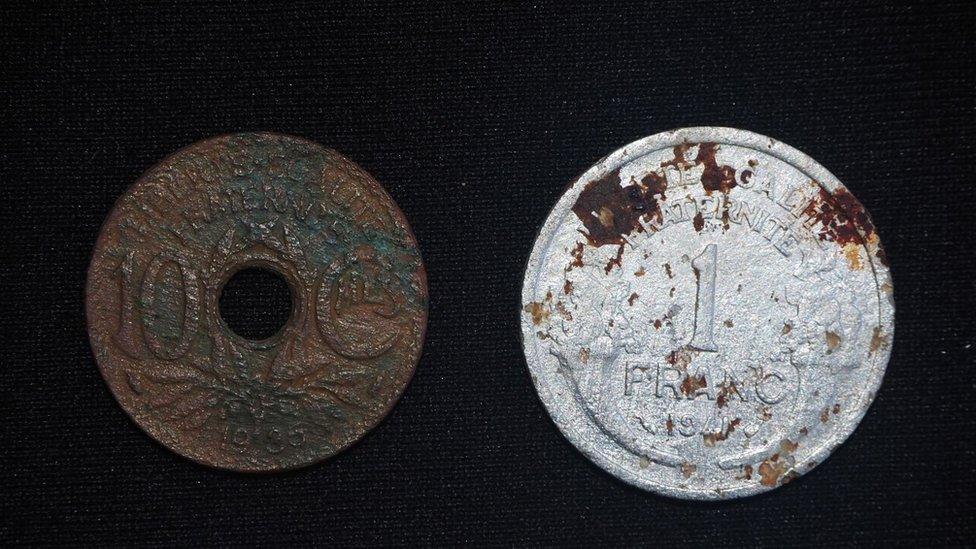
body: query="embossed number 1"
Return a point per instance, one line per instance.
(704, 266)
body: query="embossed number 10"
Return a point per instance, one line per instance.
(704, 266)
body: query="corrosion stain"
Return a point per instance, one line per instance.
(657, 323)
(878, 341)
(692, 384)
(710, 439)
(614, 260)
(787, 328)
(667, 270)
(778, 468)
(833, 341)
(725, 390)
(698, 221)
(567, 287)
(633, 297)
(728, 323)
(610, 210)
(745, 176)
(842, 218)
(687, 469)
(824, 415)
(563, 312)
(539, 309)
(714, 177)
(852, 252)
(669, 425)
(577, 253)
(679, 160)
(640, 272)
(836, 409)
(679, 358)
(584, 355)
(746, 473)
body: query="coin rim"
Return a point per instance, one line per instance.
(628, 153)
(91, 318)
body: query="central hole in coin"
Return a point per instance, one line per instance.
(255, 303)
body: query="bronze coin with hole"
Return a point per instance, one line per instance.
(308, 380)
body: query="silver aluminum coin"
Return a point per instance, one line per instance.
(707, 313)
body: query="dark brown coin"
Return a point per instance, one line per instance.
(358, 316)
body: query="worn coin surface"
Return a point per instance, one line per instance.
(707, 313)
(358, 315)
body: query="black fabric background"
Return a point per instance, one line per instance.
(475, 118)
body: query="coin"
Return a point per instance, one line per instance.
(289, 206)
(707, 313)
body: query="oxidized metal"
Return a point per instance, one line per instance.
(359, 302)
(707, 313)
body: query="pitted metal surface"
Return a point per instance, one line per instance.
(707, 313)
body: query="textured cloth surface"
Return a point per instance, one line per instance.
(475, 118)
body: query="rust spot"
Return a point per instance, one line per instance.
(833, 340)
(745, 176)
(577, 253)
(692, 384)
(714, 177)
(752, 163)
(824, 415)
(610, 211)
(633, 297)
(766, 414)
(836, 409)
(679, 160)
(667, 270)
(787, 328)
(804, 431)
(614, 260)
(711, 438)
(539, 309)
(687, 469)
(669, 425)
(567, 287)
(584, 355)
(746, 473)
(769, 471)
(657, 323)
(561, 309)
(725, 390)
(778, 468)
(728, 323)
(679, 358)
(852, 252)
(640, 271)
(698, 221)
(878, 341)
(842, 218)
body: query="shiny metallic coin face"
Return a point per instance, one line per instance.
(283, 204)
(707, 313)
